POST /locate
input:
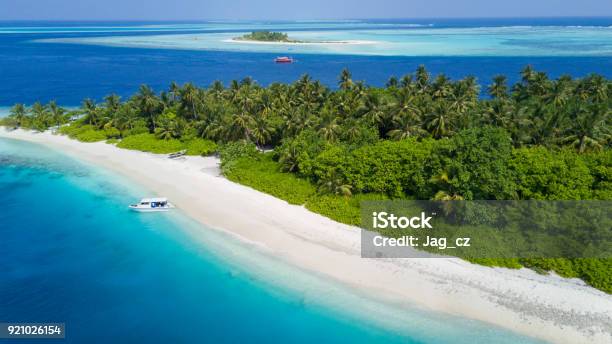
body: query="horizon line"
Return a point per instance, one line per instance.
(308, 19)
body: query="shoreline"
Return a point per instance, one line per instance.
(546, 307)
(348, 42)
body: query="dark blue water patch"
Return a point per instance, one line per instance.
(32, 71)
(69, 73)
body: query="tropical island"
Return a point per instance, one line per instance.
(280, 37)
(419, 137)
(266, 36)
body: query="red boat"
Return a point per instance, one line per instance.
(283, 59)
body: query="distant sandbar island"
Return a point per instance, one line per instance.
(268, 37)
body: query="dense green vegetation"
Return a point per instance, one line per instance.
(150, 143)
(266, 36)
(420, 137)
(261, 172)
(114, 123)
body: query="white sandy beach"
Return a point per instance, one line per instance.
(547, 307)
(340, 43)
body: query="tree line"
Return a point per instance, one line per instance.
(536, 111)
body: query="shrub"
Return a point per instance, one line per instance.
(149, 143)
(473, 164)
(90, 135)
(73, 128)
(395, 168)
(262, 173)
(200, 147)
(84, 133)
(542, 174)
(341, 209)
(8, 122)
(297, 155)
(233, 151)
(139, 128)
(600, 165)
(112, 133)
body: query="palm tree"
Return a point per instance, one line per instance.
(41, 116)
(422, 79)
(545, 123)
(124, 118)
(295, 120)
(539, 85)
(438, 121)
(594, 87)
(91, 112)
(262, 131)
(406, 81)
(334, 184)
(57, 113)
(441, 87)
(374, 111)
(148, 104)
(499, 88)
(289, 159)
(217, 90)
(405, 104)
(174, 91)
(345, 79)
(527, 74)
(589, 129)
(19, 113)
(559, 94)
(247, 82)
(329, 127)
(170, 128)
(446, 190)
(405, 126)
(217, 129)
(241, 126)
(392, 82)
(350, 130)
(112, 103)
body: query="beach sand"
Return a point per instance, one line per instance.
(339, 43)
(547, 307)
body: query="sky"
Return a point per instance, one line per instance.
(293, 9)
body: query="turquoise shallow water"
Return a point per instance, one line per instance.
(379, 39)
(71, 252)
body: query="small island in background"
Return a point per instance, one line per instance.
(280, 37)
(267, 36)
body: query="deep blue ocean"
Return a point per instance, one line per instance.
(32, 71)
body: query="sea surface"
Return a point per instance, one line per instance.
(71, 252)
(69, 61)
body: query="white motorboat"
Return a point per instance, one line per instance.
(152, 205)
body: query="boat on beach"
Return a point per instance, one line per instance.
(147, 205)
(284, 59)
